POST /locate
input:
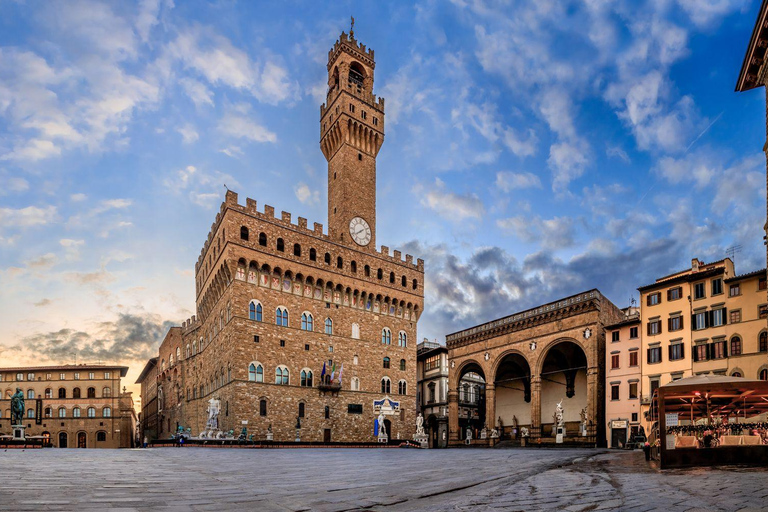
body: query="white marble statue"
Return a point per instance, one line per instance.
(419, 425)
(559, 414)
(469, 434)
(494, 433)
(382, 427)
(214, 406)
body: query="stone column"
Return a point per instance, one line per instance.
(592, 404)
(490, 406)
(535, 407)
(453, 416)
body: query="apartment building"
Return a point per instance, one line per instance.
(432, 390)
(703, 320)
(622, 376)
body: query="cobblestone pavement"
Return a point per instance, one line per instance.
(369, 479)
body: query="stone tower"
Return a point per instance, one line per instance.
(351, 134)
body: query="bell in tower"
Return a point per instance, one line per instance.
(351, 134)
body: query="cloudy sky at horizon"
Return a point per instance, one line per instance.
(533, 150)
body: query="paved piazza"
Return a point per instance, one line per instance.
(370, 479)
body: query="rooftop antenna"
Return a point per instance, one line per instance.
(732, 251)
(226, 187)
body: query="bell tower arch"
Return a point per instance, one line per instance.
(351, 134)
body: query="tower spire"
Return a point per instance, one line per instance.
(351, 134)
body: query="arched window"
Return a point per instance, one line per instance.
(403, 281)
(764, 374)
(312, 255)
(263, 239)
(48, 393)
(735, 346)
(402, 388)
(327, 258)
(306, 378)
(328, 326)
(281, 375)
(178, 353)
(243, 233)
(62, 393)
(339, 262)
(47, 412)
(30, 413)
(91, 412)
(255, 311)
(353, 266)
(101, 436)
(367, 271)
(280, 245)
(281, 317)
(30, 394)
(255, 373)
(386, 362)
(402, 364)
(355, 331)
(75, 393)
(415, 284)
(402, 339)
(107, 412)
(91, 392)
(301, 409)
(736, 374)
(385, 385)
(763, 345)
(354, 359)
(62, 412)
(106, 392)
(379, 274)
(386, 336)
(391, 277)
(307, 322)
(262, 407)
(354, 384)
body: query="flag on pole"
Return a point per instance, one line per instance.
(333, 371)
(322, 375)
(340, 372)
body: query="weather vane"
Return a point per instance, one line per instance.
(352, 26)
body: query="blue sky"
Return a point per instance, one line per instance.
(533, 150)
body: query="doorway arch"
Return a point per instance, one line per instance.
(563, 378)
(82, 440)
(512, 384)
(471, 392)
(62, 439)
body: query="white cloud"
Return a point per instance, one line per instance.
(306, 195)
(203, 188)
(450, 206)
(615, 151)
(13, 184)
(508, 181)
(232, 151)
(518, 145)
(567, 161)
(78, 197)
(555, 233)
(221, 63)
(197, 92)
(238, 123)
(27, 217)
(148, 16)
(188, 133)
(705, 12)
(695, 168)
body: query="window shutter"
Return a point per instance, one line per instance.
(725, 348)
(648, 300)
(693, 322)
(659, 322)
(725, 316)
(681, 322)
(669, 295)
(648, 356)
(709, 351)
(670, 352)
(669, 324)
(648, 328)
(695, 354)
(682, 351)
(708, 320)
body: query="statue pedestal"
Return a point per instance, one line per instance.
(18, 432)
(298, 435)
(560, 434)
(484, 434)
(270, 436)
(383, 438)
(583, 430)
(422, 439)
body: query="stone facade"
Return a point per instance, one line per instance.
(76, 406)
(276, 301)
(532, 360)
(148, 427)
(432, 375)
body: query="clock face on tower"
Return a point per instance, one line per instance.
(360, 231)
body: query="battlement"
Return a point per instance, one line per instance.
(190, 324)
(375, 102)
(349, 43)
(285, 220)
